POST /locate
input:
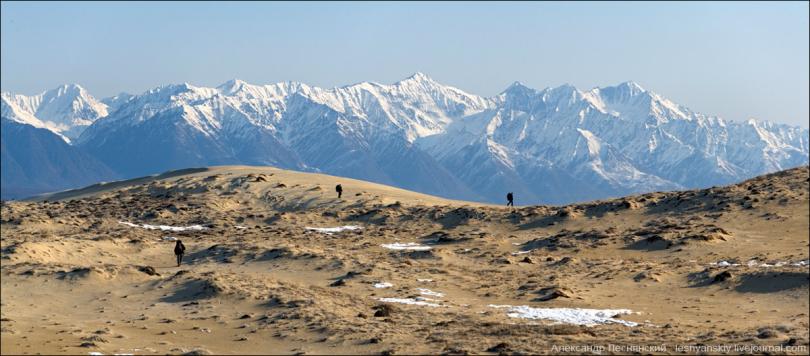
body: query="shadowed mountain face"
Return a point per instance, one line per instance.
(556, 145)
(36, 160)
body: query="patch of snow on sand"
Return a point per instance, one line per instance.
(577, 316)
(755, 263)
(240, 227)
(425, 291)
(383, 285)
(724, 264)
(333, 230)
(521, 252)
(406, 246)
(165, 227)
(409, 301)
(424, 280)
(169, 238)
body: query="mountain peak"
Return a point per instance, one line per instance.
(232, 85)
(235, 81)
(628, 90)
(517, 88)
(68, 88)
(65, 110)
(632, 86)
(563, 88)
(418, 77)
(184, 86)
(168, 90)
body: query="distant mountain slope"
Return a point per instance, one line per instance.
(556, 145)
(35, 160)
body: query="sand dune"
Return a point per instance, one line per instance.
(275, 263)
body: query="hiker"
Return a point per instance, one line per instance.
(179, 249)
(510, 199)
(339, 190)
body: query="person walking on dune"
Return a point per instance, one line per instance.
(339, 190)
(179, 249)
(510, 199)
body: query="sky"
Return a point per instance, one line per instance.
(738, 60)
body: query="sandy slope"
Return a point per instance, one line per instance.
(76, 280)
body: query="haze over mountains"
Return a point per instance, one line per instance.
(555, 145)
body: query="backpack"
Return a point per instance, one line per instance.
(179, 248)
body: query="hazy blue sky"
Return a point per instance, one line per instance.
(736, 60)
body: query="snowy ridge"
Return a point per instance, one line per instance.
(66, 110)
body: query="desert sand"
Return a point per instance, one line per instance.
(276, 264)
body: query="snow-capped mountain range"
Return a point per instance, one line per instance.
(555, 145)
